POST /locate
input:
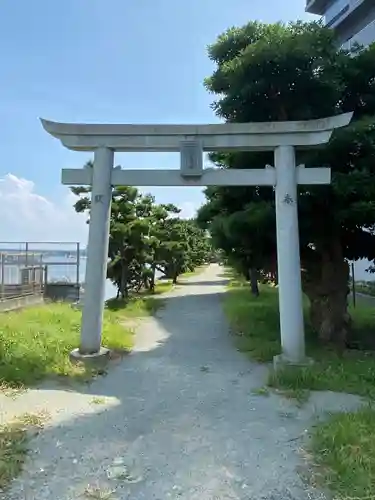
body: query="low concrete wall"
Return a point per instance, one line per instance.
(18, 290)
(20, 302)
(60, 291)
(16, 296)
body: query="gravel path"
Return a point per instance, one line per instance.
(177, 419)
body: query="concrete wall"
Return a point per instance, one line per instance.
(20, 302)
(19, 296)
(61, 291)
(16, 298)
(364, 37)
(19, 290)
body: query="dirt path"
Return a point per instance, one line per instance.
(177, 419)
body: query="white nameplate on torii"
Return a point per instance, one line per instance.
(209, 177)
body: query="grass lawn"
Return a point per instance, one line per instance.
(35, 342)
(255, 322)
(142, 304)
(14, 444)
(345, 443)
(366, 287)
(344, 453)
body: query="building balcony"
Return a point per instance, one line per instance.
(333, 12)
(363, 37)
(336, 13)
(316, 6)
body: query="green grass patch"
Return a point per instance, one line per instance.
(352, 372)
(163, 286)
(344, 451)
(36, 342)
(343, 446)
(261, 391)
(300, 396)
(14, 444)
(97, 400)
(255, 323)
(181, 279)
(366, 287)
(144, 303)
(135, 307)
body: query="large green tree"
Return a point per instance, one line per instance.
(128, 249)
(184, 246)
(283, 72)
(146, 237)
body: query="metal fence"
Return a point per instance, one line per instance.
(19, 277)
(29, 267)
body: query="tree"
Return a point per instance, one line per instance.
(283, 72)
(185, 247)
(160, 239)
(146, 237)
(128, 238)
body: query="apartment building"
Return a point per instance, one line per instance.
(352, 20)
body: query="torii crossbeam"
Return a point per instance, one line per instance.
(191, 141)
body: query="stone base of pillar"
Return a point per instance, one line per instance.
(98, 358)
(280, 361)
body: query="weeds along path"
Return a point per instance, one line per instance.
(179, 418)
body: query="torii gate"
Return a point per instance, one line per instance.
(191, 141)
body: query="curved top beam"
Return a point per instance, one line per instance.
(74, 129)
(262, 136)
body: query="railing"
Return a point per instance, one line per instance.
(28, 268)
(18, 279)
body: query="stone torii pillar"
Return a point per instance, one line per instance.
(191, 141)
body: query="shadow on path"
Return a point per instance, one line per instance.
(180, 413)
(195, 283)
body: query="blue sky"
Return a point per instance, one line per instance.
(133, 61)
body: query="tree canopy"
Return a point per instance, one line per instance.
(147, 238)
(278, 72)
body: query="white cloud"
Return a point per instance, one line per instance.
(28, 216)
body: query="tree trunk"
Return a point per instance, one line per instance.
(175, 276)
(275, 277)
(169, 271)
(326, 285)
(152, 279)
(124, 280)
(246, 273)
(253, 273)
